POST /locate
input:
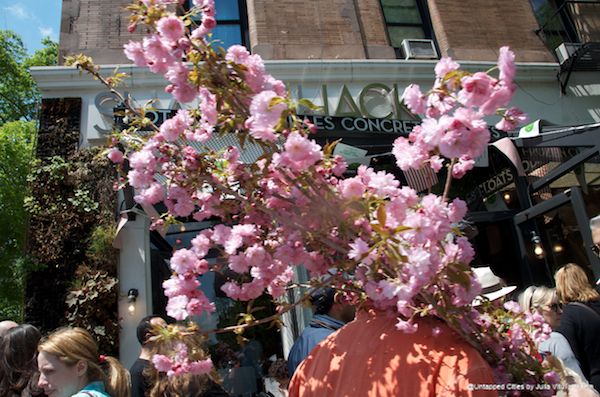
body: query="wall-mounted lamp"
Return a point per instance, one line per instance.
(558, 248)
(132, 295)
(538, 249)
(507, 197)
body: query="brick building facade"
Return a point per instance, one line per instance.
(327, 29)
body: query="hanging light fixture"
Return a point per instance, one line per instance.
(132, 295)
(538, 248)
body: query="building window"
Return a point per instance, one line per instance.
(406, 19)
(556, 25)
(232, 22)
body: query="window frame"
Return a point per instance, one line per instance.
(425, 25)
(242, 22)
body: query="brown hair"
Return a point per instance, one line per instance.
(185, 384)
(573, 285)
(72, 345)
(18, 367)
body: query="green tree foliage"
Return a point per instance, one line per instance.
(18, 103)
(16, 157)
(47, 56)
(18, 93)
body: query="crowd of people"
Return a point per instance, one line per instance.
(67, 363)
(434, 360)
(322, 362)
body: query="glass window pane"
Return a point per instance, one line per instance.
(227, 35)
(401, 11)
(227, 10)
(399, 33)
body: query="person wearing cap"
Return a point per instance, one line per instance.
(139, 384)
(492, 286)
(329, 316)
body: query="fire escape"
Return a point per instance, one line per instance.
(572, 33)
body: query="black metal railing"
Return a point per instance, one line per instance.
(572, 22)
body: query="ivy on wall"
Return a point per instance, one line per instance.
(72, 217)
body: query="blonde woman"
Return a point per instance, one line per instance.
(544, 301)
(70, 365)
(580, 321)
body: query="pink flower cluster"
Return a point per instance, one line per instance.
(292, 207)
(454, 126)
(414, 245)
(183, 288)
(163, 52)
(180, 363)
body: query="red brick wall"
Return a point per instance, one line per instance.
(475, 29)
(326, 29)
(311, 29)
(95, 28)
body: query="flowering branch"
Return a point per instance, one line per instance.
(294, 205)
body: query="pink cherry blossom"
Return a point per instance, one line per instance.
(173, 128)
(457, 210)
(176, 307)
(183, 261)
(150, 195)
(140, 179)
(352, 188)
(476, 89)
(162, 363)
(360, 251)
(179, 201)
(201, 367)
(506, 64)
(300, 153)
(414, 99)
(511, 119)
(134, 51)
(255, 72)
(208, 106)
(445, 66)
(237, 54)
(157, 54)
(265, 116)
(460, 168)
(500, 96)
(177, 73)
(201, 244)
(115, 155)
(143, 160)
(170, 27)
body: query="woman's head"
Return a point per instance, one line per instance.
(18, 365)
(573, 285)
(165, 344)
(68, 359)
(542, 300)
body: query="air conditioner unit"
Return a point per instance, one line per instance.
(419, 49)
(565, 51)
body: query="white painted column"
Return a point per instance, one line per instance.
(133, 240)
